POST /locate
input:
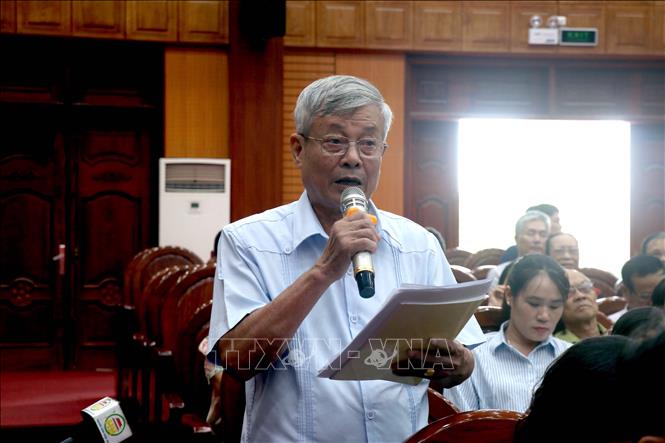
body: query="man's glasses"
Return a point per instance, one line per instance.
(584, 287)
(338, 145)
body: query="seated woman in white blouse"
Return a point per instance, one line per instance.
(512, 362)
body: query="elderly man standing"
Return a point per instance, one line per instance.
(285, 300)
(580, 311)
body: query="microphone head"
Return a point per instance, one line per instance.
(352, 196)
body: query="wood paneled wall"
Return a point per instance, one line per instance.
(386, 72)
(299, 70)
(196, 103)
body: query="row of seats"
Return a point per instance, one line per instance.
(467, 267)
(164, 316)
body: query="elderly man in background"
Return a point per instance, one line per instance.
(555, 227)
(580, 312)
(564, 249)
(531, 232)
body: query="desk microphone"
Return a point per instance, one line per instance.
(353, 199)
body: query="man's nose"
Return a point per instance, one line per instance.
(352, 155)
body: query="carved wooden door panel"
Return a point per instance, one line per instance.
(33, 187)
(433, 174)
(110, 220)
(81, 122)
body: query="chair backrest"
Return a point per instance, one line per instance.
(604, 320)
(462, 274)
(610, 305)
(457, 256)
(480, 272)
(154, 261)
(439, 406)
(603, 281)
(154, 295)
(482, 426)
(197, 283)
(489, 256)
(128, 276)
(489, 318)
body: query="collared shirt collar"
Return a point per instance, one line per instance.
(500, 340)
(306, 223)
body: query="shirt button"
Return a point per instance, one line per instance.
(353, 318)
(370, 415)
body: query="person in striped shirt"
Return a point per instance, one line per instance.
(512, 361)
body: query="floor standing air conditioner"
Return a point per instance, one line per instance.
(194, 202)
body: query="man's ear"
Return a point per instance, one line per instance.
(297, 147)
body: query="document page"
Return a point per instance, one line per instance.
(412, 316)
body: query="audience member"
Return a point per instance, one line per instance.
(640, 276)
(498, 292)
(285, 297)
(555, 226)
(640, 323)
(658, 295)
(612, 371)
(654, 245)
(513, 360)
(579, 397)
(641, 383)
(531, 231)
(580, 312)
(564, 249)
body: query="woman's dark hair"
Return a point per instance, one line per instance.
(640, 323)
(642, 389)
(583, 377)
(524, 269)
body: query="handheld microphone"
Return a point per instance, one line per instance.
(352, 200)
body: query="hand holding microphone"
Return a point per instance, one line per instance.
(353, 200)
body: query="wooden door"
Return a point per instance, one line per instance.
(33, 188)
(109, 214)
(80, 127)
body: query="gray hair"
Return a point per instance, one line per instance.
(339, 95)
(530, 216)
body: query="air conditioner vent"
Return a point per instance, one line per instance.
(195, 177)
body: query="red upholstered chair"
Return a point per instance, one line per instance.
(483, 426)
(138, 273)
(480, 272)
(462, 274)
(489, 318)
(457, 256)
(439, 406)
(603, 281)
(489, 256)
(604, 320)
(610, 305)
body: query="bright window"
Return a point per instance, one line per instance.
(581, 167)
